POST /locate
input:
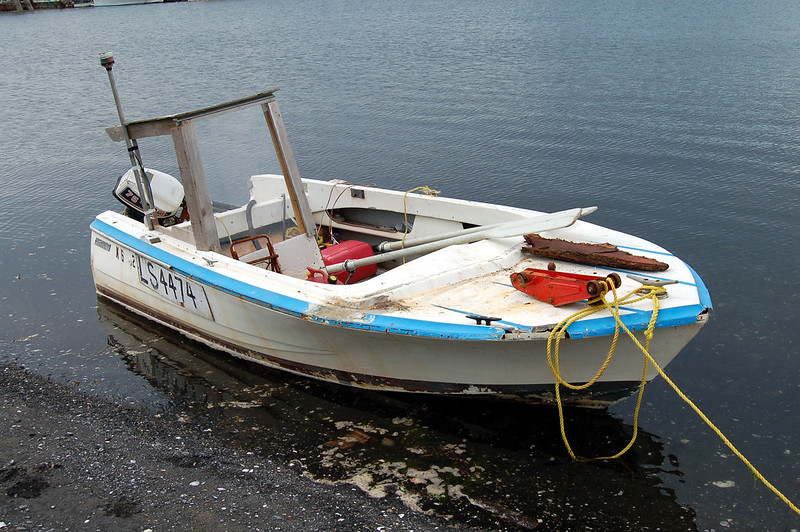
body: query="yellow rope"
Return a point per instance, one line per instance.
(425, 189)
(230, 240)
(614, 307)
(559, 332)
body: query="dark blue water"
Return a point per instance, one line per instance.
(680, 120)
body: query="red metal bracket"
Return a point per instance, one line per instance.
(560, 288)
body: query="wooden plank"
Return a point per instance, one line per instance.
(153, 127)
(142, 130)
(294, 185)
(594, 254)
(198, 198)
(260, 98)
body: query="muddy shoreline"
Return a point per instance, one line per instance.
(70, 460)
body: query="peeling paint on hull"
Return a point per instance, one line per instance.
(599, 396)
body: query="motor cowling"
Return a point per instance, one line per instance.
(168, 196)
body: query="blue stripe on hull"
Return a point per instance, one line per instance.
(669, 317)
(294, 306)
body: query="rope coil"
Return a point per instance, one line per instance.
(599, 304)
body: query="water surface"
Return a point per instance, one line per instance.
(680, 121)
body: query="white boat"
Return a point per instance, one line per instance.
(106, 3)
(434, 310)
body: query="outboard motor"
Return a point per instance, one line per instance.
(168, 196)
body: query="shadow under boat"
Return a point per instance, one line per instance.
(486, 463)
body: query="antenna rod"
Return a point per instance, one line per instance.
(142, 181)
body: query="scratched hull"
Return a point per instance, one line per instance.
(518, 372)
(415, 342)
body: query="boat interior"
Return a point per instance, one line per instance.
(301, 227)
(351, 220)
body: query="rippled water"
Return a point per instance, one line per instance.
(681, 121)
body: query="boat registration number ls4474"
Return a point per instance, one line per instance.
(173, 287)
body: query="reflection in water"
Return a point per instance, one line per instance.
(486, 463)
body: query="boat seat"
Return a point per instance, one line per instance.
(256, 250)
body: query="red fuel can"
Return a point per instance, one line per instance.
(349, 249)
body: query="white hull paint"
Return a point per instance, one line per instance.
(405, 329)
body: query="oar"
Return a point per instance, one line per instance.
(411, 242)
(534, 224)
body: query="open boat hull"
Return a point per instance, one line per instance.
(405, 330)
(433, 311)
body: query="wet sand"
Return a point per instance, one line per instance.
(74, 461)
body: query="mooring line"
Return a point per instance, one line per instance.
(614, 308)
